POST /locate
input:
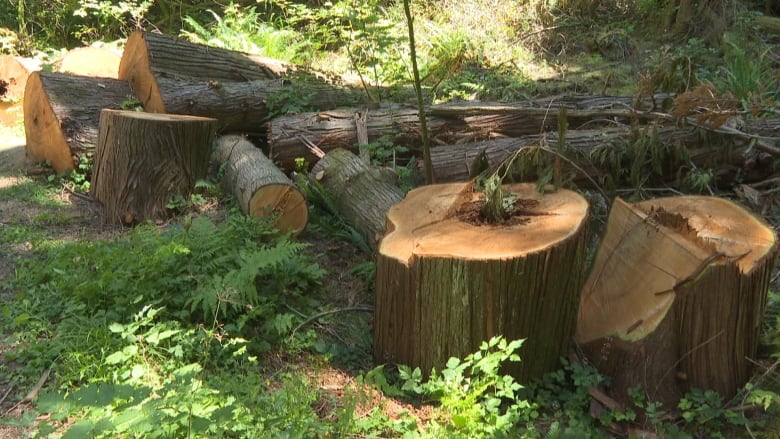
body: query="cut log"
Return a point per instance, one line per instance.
(62, 115)
(293, 136)
(90, 61)
(262, 190)
(445, 284)
(453, 163)
(150, 57)
(239, 106)
(676, 296)
(299, 135)
(15, 70)
(144, 160)
(362, 193)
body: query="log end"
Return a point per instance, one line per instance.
(45, 140)
(285, 203)
(90, 61)
(135, 68)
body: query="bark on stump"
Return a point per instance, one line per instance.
(62, 115)
(444, 285)
(676, 296)
(262, 190)
(362, 193)
(143, 160)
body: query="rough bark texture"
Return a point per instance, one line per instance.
(90, 61)
(143, 160)
(62, 114)
(152, 61)
(240, 106)
(362, 193)
(444, 285)
(728, 155)
(675, 297)
(262, 190)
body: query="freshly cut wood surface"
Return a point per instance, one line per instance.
(144, 160)
(444, 284)
(90, 61)
(676, 296)
(14, 70)
(362, 193)
(62, 115)
(262, 190)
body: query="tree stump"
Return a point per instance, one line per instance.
(62, 115)
(262, 190)
(676, 297)
(445, 284)
(143, 160)
(362, 193)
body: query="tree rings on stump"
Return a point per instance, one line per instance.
(676, 296)
(445, 283)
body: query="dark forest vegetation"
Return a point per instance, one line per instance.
(209, 323)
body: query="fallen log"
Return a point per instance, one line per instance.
(676, 296)
(445, 283)
(294, 136)
(62, 115)
(262, 190)
(153, 63)
(729, 155)
(362, 193)
(240, 106)
(143, 160)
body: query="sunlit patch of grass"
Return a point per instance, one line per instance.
(30, 191)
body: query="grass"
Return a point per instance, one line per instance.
(216, 326)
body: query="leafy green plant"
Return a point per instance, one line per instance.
(242, 28)
(748, 76)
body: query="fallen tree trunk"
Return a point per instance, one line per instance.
(445, 284)
(676, 296)
(240, 106)
(62, 115)
(143, 160)
(262, 190)
(362, 193)
(294, 136)
(680, 147)
(157, 65)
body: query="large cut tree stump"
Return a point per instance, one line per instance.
(262, 190)
(62, 114)
(445, 284)
(143, 160)
(676, 296)
(362, 193)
